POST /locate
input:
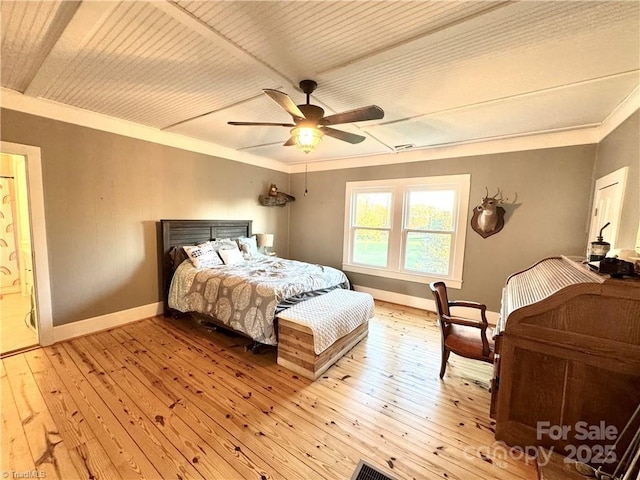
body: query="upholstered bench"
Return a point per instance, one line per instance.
(314, 334)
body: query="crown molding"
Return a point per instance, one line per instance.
(13, 100)
(623, 111)
(584, 135)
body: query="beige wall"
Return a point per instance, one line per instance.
(553, 189)
(104, 195)
(619, 149)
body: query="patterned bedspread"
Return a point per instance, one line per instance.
(244, 296)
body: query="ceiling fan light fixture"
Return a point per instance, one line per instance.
(306, 138)
(310, 123)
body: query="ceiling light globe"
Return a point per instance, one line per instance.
(306, 138)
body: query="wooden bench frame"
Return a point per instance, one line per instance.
(296, 351)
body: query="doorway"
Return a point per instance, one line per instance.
(18, 325)
(607, 206)
(25, 292)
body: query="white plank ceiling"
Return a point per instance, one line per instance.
(444, 72)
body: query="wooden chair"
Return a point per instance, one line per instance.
(462, 336)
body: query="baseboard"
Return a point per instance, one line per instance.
(422, 303)
(104, 322)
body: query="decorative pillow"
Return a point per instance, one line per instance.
(203, 255)
(231, 256)
(223, 244)
(248, 246)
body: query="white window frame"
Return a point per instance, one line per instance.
(461, 184)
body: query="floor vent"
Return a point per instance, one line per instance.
(364, 471)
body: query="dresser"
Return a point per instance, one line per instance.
(567, 362)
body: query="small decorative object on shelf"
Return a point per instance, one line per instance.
(275, 198)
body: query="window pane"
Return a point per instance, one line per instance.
(373, 210)
(428, 252)
(371, 247)
(430, 210)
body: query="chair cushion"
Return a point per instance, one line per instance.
(466, 341)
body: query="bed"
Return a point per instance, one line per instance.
(244, 297)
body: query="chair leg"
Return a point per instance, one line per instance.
(445, 357)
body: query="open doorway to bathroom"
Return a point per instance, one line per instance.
(18, 322)
(36, 225)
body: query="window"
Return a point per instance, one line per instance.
(371, 227)
(411, 229)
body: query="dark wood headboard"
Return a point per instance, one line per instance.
(176, 233)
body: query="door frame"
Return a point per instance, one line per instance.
(618, 176)
(37, 225)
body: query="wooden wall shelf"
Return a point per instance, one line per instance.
(271, 201)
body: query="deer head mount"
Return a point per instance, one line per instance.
(488, 217)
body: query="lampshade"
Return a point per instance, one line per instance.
(306, 138)
(264, 239)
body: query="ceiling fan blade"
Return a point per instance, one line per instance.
(289, 142)
(285, 102)
(344, 136)
(262, 124)
(372, 112)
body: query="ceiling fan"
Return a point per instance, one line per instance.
(309, 123)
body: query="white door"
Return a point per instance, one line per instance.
(607, 206)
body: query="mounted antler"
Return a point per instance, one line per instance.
(499, 200)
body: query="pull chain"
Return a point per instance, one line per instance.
(306, 167)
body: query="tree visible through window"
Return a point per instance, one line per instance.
(371, 228)
(429, 230)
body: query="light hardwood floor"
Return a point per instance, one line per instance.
(14, 333)
(165, 399)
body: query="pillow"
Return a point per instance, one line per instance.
(223, 244)
(248, 246)
(231, 256)
(203, 255)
